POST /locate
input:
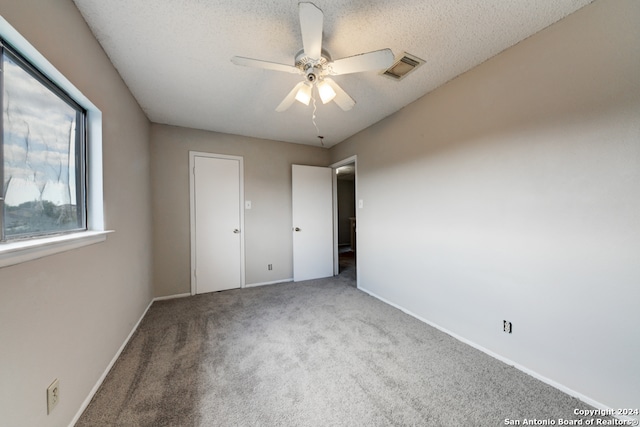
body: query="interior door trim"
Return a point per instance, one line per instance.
(336, 262)
(192, 214)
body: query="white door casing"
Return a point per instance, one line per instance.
(336, 256)
(312, 204)
(217, 221)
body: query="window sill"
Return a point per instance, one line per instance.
(26, 250)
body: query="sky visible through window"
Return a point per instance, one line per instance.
(39, 133)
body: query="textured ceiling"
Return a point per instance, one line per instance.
(174, 55)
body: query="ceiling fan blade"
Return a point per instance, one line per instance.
(376, 60)
(311, 19)
(289, 99)
(343, 100)
(257, 63)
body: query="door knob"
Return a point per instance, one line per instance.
(297, 229)
(236, 231)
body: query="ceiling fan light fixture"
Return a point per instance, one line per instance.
(304, 94)
(316, 65)
(326, 92)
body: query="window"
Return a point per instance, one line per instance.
(43, 154)
(52, 197)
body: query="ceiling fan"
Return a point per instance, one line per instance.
(316, 65)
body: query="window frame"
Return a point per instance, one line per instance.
(80, 146)
(15, 252)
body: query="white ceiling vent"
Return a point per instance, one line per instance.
(403, 66)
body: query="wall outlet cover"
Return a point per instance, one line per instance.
(53, 395)
(507, 326)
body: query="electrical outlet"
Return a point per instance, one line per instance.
(507, 326)
(270, 267)
(53, 395)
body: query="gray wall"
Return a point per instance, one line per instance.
(267, 183)
(521, 201)
(65, 316)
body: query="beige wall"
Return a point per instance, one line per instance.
(521, 202)
(65, 316)
(267, 183)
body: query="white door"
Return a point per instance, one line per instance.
(312, 222)
(216, 228)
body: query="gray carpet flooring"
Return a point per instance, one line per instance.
(315, 353)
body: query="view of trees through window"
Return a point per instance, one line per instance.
(42, 155)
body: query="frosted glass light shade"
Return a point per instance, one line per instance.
(304, 94)
(326, 92)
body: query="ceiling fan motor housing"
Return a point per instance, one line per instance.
(313, 68)
(311, 75)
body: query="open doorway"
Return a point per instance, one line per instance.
(345, 219)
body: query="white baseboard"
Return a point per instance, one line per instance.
(253, 285)
(167, 297)
(564, 389)
(106, 371)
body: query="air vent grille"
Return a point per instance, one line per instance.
(403, 66)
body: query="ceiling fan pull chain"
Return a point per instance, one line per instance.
(313, 119)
